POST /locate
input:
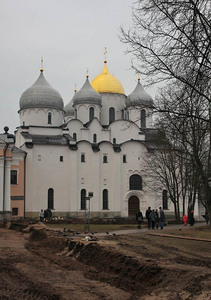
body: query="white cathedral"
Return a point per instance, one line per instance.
(98, 143)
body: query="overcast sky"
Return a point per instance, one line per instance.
(71, 36)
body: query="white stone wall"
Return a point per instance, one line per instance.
(39, 117)
(83, 111)
(117, 101)
(135, 116)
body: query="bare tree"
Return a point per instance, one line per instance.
(170, 41)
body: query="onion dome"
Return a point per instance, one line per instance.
(87, 95)
(107, 83)
(139, 97)
(69, 110)
(41, 95)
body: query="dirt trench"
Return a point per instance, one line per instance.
(43, 265)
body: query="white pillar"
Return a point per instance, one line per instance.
(7, 200)
(1, 182)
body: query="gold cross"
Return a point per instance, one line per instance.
(87, 73)
(105, 52)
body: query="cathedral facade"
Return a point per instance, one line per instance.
(97, 145)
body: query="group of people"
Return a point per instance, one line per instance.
(190, 219)
(45, 215)
(155, 218)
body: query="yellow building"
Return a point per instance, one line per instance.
(12, 177)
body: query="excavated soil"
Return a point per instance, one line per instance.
(46, 265)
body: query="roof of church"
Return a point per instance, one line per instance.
(41, 94)
(48, 139)
(107, 83)
(87, 95)
(139, 97)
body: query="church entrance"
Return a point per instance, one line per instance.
(133, 206)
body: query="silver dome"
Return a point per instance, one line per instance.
(87, 95)
(41, 94)
(139, 97)
(69, 110)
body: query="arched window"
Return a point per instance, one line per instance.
(49, 118)
(124, 158)
(143, 118)
(75, 136)
(82, 157)
(50, 198)
(111, 115)
(135, 182)
(165, 199)
(83, 199)
(105, 159)
(91, 113)
(76, 113)
(105, 199)
(94, 138)
(114, 141)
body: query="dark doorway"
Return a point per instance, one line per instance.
(133, 206)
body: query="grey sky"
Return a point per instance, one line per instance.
(71, 36)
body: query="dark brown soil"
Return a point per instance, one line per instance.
(45, 265)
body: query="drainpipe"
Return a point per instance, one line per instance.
(24, 193)
(5, 152)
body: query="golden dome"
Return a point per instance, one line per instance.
(107, 83)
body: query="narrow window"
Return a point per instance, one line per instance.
(91, 113)
(14, 211)
(111, 115)
(61, 158)
(50, 198)
(143, 118)
(94, 138)
(135, 182)
(105, 159)
(75, 136)
(114, 141)
(124, 158)
(123, 114)
(83, 199)
(165, 199)
(76, 113)
(82, 157)
(105, 199)
(49, 118)
(14, 177)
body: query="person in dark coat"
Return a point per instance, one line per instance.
(157, 219)
(192, 220)
(139, 218)
(152, 217)
(148, 212)
(162, 217)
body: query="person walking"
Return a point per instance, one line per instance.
(139, 218)
(152, 217)
(185, 219)
(192, 220)
(156, 219)
(41, 215)
(161, 217)
(148, 212)
(206, 217)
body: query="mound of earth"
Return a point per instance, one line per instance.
(43, 264)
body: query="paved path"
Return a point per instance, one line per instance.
(131, 231)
